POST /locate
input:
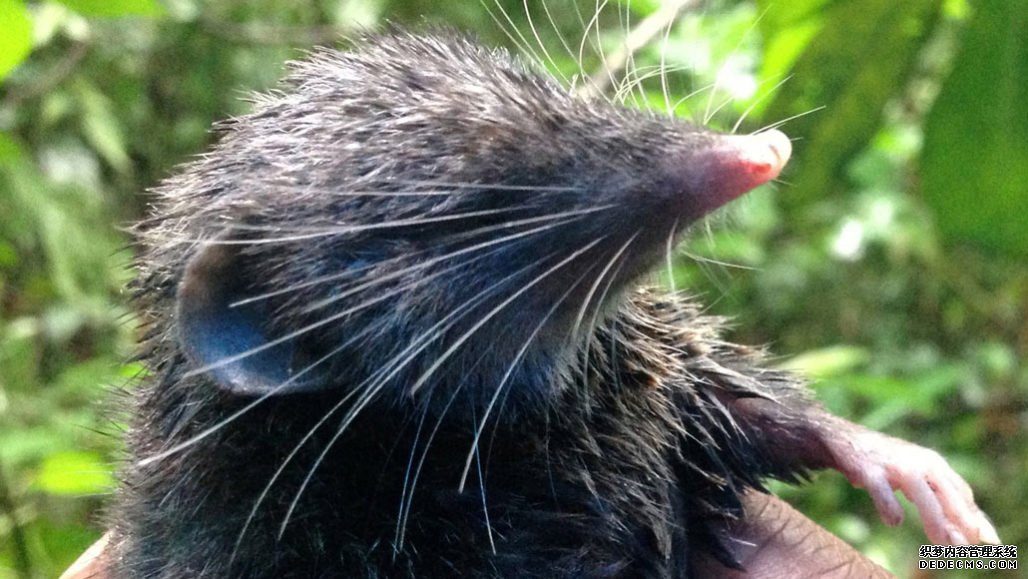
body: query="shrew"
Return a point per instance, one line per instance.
(392, 331)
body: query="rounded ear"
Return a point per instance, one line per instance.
(227, 336)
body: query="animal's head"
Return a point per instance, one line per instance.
(426, 217)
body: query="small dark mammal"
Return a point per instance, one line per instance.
(391, 332)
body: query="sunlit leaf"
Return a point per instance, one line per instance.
(16, 38)
(30, 444)
(644, 7)
(975, 162)
(74, 473)
(855, 64)
(9, 149)
(787, 28)
(828, 362)
(776, 15)
(785, 47)
(115, 7)
(101, 125)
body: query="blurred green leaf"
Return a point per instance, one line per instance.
(852, 67)
(102, 127)
(975, 162)
(74, 473)
(828, 362)
(16, 39)
(643, 7)
(776, 16)
(71, 224)
(9, 148)
(108, 8)
(18, 353)
(63, 543)
(28, 445)
(787, 28)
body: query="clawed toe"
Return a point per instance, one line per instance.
(944, 501)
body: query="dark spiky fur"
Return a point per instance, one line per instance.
(611, 445)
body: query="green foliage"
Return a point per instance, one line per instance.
(861, 53)
(74, 474)
(889, 266)
(975, 145)
(115, 7)
(16, 41)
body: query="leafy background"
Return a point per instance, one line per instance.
(890, 264)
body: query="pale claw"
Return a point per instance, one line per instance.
(882, 464)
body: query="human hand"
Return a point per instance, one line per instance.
(773, 541)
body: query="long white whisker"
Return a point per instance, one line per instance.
(712, 261)
(592, 290)
(592, 324)
(542, 45)
(232, 417)
(428, 263)
(560, 38)
(685, 98)
(506, 376)
(663, 69)
(486, 187)
(299, 445)
(605, 69)
(407, 497)
(717, 110)
(510, 369)
(425, 338)
(310, 327)
(599, 40)
(492, 313)
(522, 43)
(331, 230)
(717, 79)
(669, 257)
(630, 67)
(644, 31)
(488, 229)
(485, 504)
(636, 80)
(778, 124)
(299, 332)
(391, 369)
(756, 102)
(398, 537)
(310, 233)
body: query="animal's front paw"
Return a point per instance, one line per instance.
(882, 464)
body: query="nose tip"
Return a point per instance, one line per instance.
(761, 155)
(723, 167)
(780, 145)
(730, 165)
(751, 160)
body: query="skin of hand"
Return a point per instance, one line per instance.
(773, 541)
(90, 565)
